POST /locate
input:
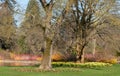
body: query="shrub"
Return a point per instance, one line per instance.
(111, 61)
(90, 58)
(1, 58)
(100, 57)
(79, 65)
(57, 57)
(4, 55)
(39, 58)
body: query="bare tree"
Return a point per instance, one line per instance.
(46, 16)
(49, 28)
(89, 16)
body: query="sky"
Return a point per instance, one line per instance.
(22, 7)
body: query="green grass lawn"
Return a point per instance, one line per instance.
(18, 71)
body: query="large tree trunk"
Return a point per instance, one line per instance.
(46, 61)
(47, 54)
(80, 54)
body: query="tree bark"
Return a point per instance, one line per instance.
(46, 61)
(80, 48)
(80, 52)
(94, 46)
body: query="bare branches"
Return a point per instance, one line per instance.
(43, 2)
(47, 6)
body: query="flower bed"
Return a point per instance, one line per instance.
(87, 65)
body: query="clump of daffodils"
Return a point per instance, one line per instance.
(97, 64)
(88, 64)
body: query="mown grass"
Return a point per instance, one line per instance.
(60, 71)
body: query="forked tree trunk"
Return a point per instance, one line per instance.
(80, 54)
(46, 61)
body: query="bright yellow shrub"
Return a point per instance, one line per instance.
(39, 58)
(112, 61)
(57, 56)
